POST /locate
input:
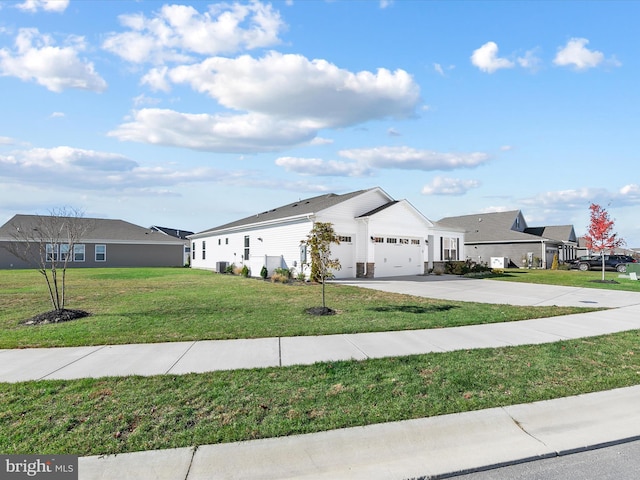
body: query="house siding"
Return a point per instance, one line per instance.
(360, 216)
(117, 255)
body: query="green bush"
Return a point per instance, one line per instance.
(264, 273)
(230, 268)
(245, 271)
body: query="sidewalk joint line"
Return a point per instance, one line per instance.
(193, 456)
(181, 357)
(75, 361)
(346, 337)
(524, 430)
(279, 351)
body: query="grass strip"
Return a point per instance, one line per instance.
(116, 415)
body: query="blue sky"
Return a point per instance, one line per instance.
(193, 114)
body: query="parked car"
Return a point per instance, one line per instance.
(594, 262)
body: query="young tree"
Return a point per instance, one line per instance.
(319, 243)
(600, 236)
(48, 244)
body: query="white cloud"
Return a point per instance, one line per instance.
(314, 92)
(412, 159)
(530, 60)
(214, 133)
(36, 58)
(288, 99)
(572, 198)
(81, 169)
(46, 5)
(438, 68)
(322, 168)
(392, 132)
(576, 54)
(6, 141)
(486, 58)
(449, 186)
(57, 115)
(386, 3)
(177, 31)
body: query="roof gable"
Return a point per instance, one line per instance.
(301, 208)
(99, 230)
(505, 227)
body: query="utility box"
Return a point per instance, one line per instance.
(221, 266)
(499, 262)
(633, 268)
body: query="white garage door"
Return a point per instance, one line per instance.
(395, 259)
(345, 252)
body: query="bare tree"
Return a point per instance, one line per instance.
(47, 243)
(319, 243)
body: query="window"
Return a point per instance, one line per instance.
(246, 247)
(449, 249)
(392, 240)
(204, 249)
(101, 253)
(345, 239)
(64, 252)
(415, 241)
(52, 252)
(78, 253)
(404, 241)
(377, 239)
(219, 241)
(226, 241)
(193, 250)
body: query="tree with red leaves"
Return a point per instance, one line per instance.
(600, 236)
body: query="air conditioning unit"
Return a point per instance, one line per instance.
(221, 266)
(499, 262)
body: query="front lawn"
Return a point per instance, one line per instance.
(569, 278)
(145, 305)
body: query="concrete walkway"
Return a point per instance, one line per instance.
(437, 446)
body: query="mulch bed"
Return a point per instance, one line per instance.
(320, 311)
(56, 316)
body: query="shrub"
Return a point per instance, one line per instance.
(264, 273)
(554, 264)
(245, 271)
(230, 268)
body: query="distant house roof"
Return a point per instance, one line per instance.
(308, 206)
(100, 230)
(507, 226)
(172, 232)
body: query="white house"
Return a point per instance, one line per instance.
(379, 236)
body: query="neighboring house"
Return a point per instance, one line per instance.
(181, 234)
(379, 236)
(506, 235)
(108, 243)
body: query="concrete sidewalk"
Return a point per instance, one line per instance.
(433, 447)
(205, 356)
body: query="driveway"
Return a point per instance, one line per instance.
(452, 287)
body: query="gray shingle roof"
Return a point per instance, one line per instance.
(307, 206)
(498, 227)
(101, 230)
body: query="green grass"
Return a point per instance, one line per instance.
(115, 415)
(127, 414)
(162, 305)
(569, 278)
